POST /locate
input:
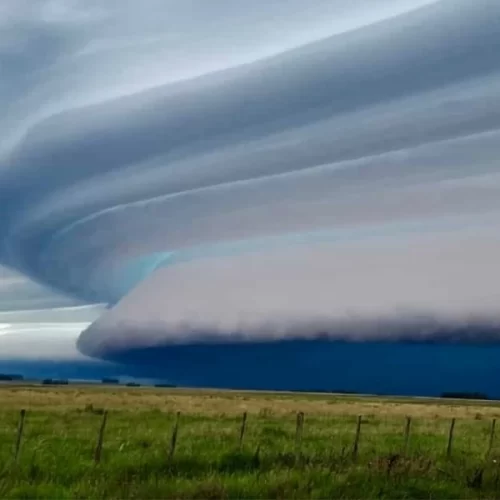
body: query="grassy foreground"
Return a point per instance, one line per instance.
(56, 456)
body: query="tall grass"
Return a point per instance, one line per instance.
(57, 454)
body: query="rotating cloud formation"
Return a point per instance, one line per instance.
(224, 174)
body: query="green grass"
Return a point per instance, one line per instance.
(57, 452)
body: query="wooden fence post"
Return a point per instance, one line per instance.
(492, 436)
(173, 440)
(450, 438)
(256, 457)
(298, 436)
(242, 430)
(100, 438)
(407, 435)
(356, 438)
(20, 430)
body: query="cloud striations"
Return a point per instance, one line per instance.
(266, 171)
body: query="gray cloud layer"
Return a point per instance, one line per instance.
(399, 287)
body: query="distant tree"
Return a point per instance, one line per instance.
(50, 381)
(464, 395)
(10, 377)
(110, 381)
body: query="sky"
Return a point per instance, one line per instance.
(183, 172)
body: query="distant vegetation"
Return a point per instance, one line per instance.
(115, 381)
(465, 395)
(110, 381)
(50, 381)
(4, 377)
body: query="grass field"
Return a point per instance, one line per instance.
(56, 456)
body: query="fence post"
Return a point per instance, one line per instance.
(242, 430)
(450, 438)
(298, 436)
(407, 435)
(173, 440)
(492, 436)
(20, 430)
(356, 438)
(100, 438)
(256, 457)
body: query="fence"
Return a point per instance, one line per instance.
(406, 433)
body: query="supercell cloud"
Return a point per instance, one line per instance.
(266, 173)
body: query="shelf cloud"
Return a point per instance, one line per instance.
(279, 171)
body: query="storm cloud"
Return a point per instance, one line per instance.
(220, 172)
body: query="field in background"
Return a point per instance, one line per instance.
(206, 458)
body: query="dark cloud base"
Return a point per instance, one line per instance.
(409, 368)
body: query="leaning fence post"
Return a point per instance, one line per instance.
(242, 430)
(492, 436)
(20, 430)
(407, 435)
(173, 440)
(356, 438)
(298, 436)
(450, 438)
(100, 438)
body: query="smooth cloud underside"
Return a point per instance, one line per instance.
(226, 173)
